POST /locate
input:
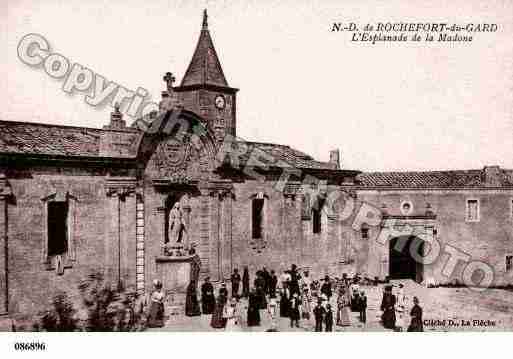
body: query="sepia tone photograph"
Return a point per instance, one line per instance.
(309, 166)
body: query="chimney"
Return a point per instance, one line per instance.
(335, 158)
(492, 176)
(116, 119)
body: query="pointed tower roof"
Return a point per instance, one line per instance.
(204, 68)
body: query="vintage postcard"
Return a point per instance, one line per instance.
(271, 166)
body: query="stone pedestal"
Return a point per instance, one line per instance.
(176, 272)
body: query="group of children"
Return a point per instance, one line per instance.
(297, 293)
(350, 299)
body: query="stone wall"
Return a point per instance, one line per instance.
(119, 227)
(489, 240)
(31, 282)
(288, 236)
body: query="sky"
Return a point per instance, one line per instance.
(387, 107)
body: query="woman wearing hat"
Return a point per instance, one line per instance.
(156, 314)
(343, 313)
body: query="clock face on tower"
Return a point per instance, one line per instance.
(220, 102)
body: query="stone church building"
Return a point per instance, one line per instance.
(177, 194)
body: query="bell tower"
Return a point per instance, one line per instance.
(204, 89)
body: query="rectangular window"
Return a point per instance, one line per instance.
(365, 233)
(257, 211)
(509, 263)
(472, 213)
(57, 228)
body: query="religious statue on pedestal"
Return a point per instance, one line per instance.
(176, 226)
(177, 232)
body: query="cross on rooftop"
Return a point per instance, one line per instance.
(169, 78)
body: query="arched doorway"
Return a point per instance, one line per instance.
(402, 264)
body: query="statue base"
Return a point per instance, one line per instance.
(175, 273)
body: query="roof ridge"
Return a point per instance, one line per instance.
(9, 122)
(266, 143)
(427, 171)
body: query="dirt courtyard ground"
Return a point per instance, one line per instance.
(445, 309)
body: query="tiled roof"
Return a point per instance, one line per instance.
(35, 138)
(276, 155)
(42, 139)
(432, 179)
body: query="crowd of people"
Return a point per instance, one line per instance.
(293, 296)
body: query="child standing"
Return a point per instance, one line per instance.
(295, 305)
(363, 307)
(329, 318)
(319, 314)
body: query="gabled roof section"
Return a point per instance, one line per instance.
(205, 67)
(259, 154)
(283, 155)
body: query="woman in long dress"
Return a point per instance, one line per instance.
(231, 315)
(305, 304)
(416, 317)
(401, 309)
(208, 299)
(388, 307)
(354, 298)
(260, 290)
(343, 312)
(192, 307)
(217, 320)
(156, 313)
(253, 310)
(272, 309)
(285, 301)
(245, 283)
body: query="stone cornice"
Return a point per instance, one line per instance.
(5, 187)
(121, 186)
(221, 188)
